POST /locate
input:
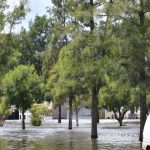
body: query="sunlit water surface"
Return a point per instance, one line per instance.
(110, 138)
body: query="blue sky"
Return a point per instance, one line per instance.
(38, 7)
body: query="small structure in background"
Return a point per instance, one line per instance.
(83, 113)
(27, 115)
(15, 113)
(105, 114)
(55, 112)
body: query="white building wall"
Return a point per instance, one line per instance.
(27, 115)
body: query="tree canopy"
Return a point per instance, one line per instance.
(20, 87)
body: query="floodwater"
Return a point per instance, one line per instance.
(38, 138)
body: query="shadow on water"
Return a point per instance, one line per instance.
(110, 138)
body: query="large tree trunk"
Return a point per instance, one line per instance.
(94, 110)
(59, 113)
(70, 112)
(143, 108)
(23, 119)
(143, 111)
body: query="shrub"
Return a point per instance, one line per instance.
(36, 120)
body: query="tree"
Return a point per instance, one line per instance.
(135, 27)
(35, 41)
(59, 20)
(88, 50)
(49, 95)
(63, 90)
(79, 63)
(117, 99)
(78, 103)
(9, 45)
(57, 39)
(20, 86)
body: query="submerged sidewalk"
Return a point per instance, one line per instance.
(53, 123)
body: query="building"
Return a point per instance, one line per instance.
(15, 113)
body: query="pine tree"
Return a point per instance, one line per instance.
(134, 19)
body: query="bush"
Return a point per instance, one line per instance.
(38, 112)
(36, 120)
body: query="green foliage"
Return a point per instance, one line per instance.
(4, 108)
(79, 102)
(58, 38)
(34, 42)
(20, 86)
(17, 14)
(36, 120)
(2, 15)
(9, 54)
(40, 110)
(51, 81)
(114, 98)
(9, 45)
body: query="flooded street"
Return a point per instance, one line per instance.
(38, 138)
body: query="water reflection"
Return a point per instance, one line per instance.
(3, 144)
(71, 144)
(115, 138)
(94, 145)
